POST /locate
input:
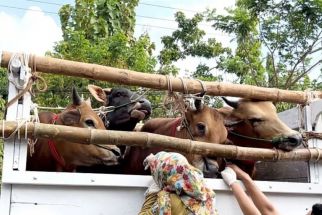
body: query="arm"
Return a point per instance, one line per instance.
(260, 200)
(245, 203)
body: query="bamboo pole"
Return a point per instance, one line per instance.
(143, 139)
(128, 77)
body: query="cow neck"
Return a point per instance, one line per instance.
(231, 131)
(60, 161)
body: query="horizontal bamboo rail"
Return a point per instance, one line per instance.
(143, 139)
(155, 81)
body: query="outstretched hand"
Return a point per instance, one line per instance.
(239, 172)
(229, 176)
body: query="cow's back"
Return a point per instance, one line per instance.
(160, 126)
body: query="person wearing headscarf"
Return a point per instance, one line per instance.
(179, 188)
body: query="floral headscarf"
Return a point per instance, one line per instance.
(173, 174)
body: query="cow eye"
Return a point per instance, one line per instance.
(201, 128)
(255, 120)
(90, 123)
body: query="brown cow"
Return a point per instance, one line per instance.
(127, 109)
(204, 123)
(254, 123)
(50, 155)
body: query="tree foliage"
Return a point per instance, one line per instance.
(278, 43)
(101, 32)
(282, 35)
(98, 18)
(188, 40)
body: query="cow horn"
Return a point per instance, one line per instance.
(233, 104)
(76, 98)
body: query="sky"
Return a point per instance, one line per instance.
(33, 26)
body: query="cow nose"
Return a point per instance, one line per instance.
(146, 104)
(295, 140)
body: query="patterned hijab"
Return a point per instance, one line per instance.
(173, 174)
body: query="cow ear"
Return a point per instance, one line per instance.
(98, 93)
(70, 117)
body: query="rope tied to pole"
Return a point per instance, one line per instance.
(22, 76)
(184, 86)
(35, 75)
(170, 101)
(306, 135)
(310, 96)
(20, 124)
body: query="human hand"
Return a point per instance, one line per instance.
(239, 172)
(229, 176)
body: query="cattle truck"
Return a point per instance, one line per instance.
(23, 192)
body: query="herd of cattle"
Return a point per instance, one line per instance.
(245, 122)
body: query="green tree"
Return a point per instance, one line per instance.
(246, 62)
(282, 35)
(3, 96)
(188, 40)
(101, 32)
(278, 43)
(98, 18)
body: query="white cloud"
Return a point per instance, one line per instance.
(34, 32)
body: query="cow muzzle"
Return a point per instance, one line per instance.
(210, 168)
(139, 111)
(288, 143)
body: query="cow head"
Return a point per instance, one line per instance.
(80, 114)
(130, 108)
(207, 125)
(259, 119)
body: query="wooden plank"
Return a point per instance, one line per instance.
(156, 81)
(287, 171)
(295, 171)
(145, 139)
